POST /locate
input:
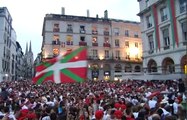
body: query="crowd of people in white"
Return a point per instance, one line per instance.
(93, 100)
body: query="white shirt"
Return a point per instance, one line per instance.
(152, 103)
(106, 117)
(175, 107)
(46, 118)
(135, 114)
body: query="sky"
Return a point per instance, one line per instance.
(28, 15)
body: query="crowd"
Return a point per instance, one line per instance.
(93, 100)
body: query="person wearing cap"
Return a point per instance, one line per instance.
(118, 114)
(99, 114)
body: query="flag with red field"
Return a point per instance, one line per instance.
(71, 67)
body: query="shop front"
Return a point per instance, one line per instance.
(106, 70)
(95, 71)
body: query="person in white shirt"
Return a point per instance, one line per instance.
(175, 106)
(152, 103)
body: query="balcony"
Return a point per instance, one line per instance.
(49, 57)
(89, 57)
(149, 25)
(116, 33)
(163, 18)
(150, 51)
(184, 42)
(94, 32)
(56, 29)
(70, 30)
(116, 45)
(82, 43)
(127, 58)
(117, 58)
(106, 57)
(106, 44)
(166, 47)
(94, 57)
(106, 33)
(94, 44)
(63, 44)
(69, 42)
(56, 42)
(82, 31)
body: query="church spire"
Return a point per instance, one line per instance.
(30, 47)
(26, 50)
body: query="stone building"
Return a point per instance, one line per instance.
(164, 37)
(114, 46)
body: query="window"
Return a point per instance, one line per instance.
(94, 30)
(94, 39)
(82, 29)
(56, 27)
(55, 51)
(163, 13)
(183, 6)
(127, 33)
(149, 21)
(106, 31)
(171, 68)
(56, 39)
(69, 40)
(127, 43)
(136, 44)
(116, 31)
(94, 53)
(106, 54)
(4, 52)
(82, 38)
(128, 68)
(136, 34)
(69, 28)
(128, 55)
(3, 64)
(151, 43)
(166, 39)
(117, 54)
(106, 40)
(184, 30)
(117, 42)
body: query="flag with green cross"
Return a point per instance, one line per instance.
(69, 68)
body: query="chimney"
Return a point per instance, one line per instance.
(63, 11)
(106, 14)
(88, 13)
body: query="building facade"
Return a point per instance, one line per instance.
(13, 54)
(7, 46)
(114, 46)
(28, 62)
(164, 36)
(19, 62)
